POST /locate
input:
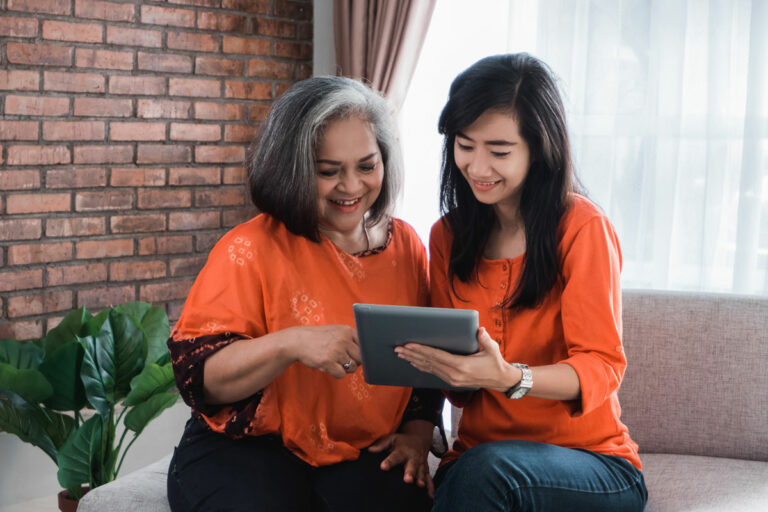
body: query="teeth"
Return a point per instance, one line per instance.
(486, 183)
(345, 203)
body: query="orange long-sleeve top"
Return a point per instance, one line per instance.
(260, 278)
(579, 324)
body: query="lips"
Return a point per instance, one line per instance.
(484, 185)
(345, 205)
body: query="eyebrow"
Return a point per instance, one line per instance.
(336, 162)
(499, 142)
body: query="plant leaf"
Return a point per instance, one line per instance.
(68, 329)
(98, 371)
(152, 380)
(62, 369)
(31, 385)
(138, 417)
(22, 355)
(130, 351)
(154, 323)
(77, 457)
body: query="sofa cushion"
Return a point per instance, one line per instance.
(688, 483)
(144, 490)
(696, 377)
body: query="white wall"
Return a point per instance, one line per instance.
(27, 473)
(324, 53)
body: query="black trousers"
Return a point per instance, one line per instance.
(210, 471)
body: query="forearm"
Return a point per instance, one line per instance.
(422, 429)
(552, 382)
(245, 367)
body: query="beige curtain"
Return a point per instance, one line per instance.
(378, 41)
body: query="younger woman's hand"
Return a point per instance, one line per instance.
(483, 369)
(329, 348)
(410, 448)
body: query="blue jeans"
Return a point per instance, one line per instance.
(534, 477)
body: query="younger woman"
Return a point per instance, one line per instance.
(541, 264)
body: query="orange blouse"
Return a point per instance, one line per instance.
(578, 324)
(261, 278)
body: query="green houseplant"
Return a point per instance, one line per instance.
(67, 392)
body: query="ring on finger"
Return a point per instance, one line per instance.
(347, 366)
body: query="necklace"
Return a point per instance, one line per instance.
(367, 240)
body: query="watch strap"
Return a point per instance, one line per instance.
(521, 389)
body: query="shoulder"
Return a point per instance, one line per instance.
(255, 236)
(585, 219)
(406, 235)
(441, 233)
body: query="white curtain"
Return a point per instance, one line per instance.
(668, 111)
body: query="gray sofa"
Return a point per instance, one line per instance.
(695, 398)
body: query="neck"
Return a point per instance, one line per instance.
(352, 241)
(508, 216)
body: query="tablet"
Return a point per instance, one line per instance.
(380, 328)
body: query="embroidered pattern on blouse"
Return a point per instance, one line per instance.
(240, 250)
(306, 309)
(359, 388)
(320, 437)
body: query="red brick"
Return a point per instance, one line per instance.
(37, 203)
(41, 6)
(134, 37)
(226, 154)
(161, 292)
(96, 298)
(136, 177)
(142, 223)
(75, 226)
(103, 107)
(28, 305)
(244, 45)
(214, 111)
(38, 155)
(215, 66)
(167, 109)
(281, 88)
(195, 132)
(24, 330)
(136, 270)
(140, 85)
(165, 245)
(258, 112)
(74, 32)
(136, 131)
(300, 51)
(36, 106)
(73, 130)
(21, 280)
(199, 3)
(234, 175)
(18, 27)
(25, 179)
(103, 59)
(111, 11)
(305, 71)
(38, 54)
(75, 274)
(164, 198)
(194, 42)
(109, 154)
(222, 22)
(181, 267)
(39, 253)
(240, 132)
(248, 90)
(166, 16)
(174, 309)
(252, 6)
(73, 177)
(158, 153)
(194, 176)
(18, 130)
(19, 80)
(205, 242)
(73, 82)
(187, 221)
(230, 218)
(194, 87)
(273, 28)
(273, 69)
(91, 249)
(293, 10)
(103, 200)
(165, 62)
(20, 229)
(220, 197)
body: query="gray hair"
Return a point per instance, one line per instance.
(282, 173)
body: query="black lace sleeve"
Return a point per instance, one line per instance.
(427, 404)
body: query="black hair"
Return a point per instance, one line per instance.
(524, 87)
(282, 174)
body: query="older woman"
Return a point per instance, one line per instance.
(265, 353)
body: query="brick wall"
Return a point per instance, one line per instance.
(123, 132)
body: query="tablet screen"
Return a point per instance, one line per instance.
(380, 328)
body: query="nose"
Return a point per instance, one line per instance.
(478, 164)
(349, 183)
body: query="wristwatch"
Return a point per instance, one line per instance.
(522, 388)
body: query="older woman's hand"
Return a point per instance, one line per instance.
(329, 348)
(410, 447)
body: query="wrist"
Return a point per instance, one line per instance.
(510, 376)
(291, 344)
